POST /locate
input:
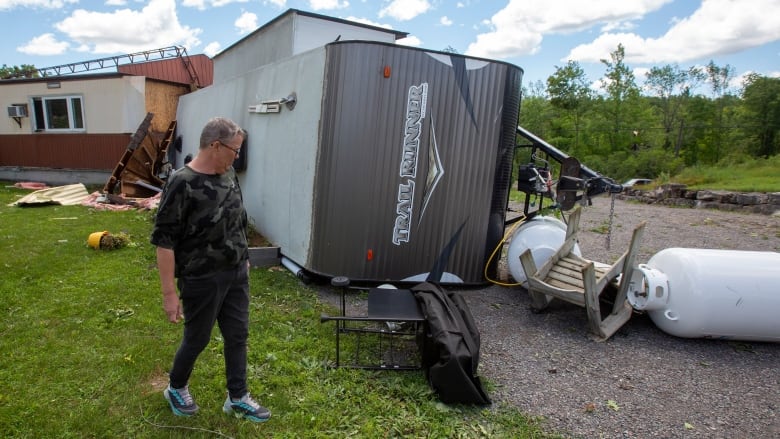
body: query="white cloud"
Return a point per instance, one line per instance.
(640, 74)
(444, 21)
(203, 4)
(411, 41)
(116, 2)
(127, 30)
(604, 45)
(618, 26)
(212, 49)
(246, 23)
(718, 27)
(318, 5)
(403, 10)
(519, 28)
(43, 4)
(198, 4)
(218, 3)
(45, 44)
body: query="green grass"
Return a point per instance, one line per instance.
(84, 349)
(756, 175)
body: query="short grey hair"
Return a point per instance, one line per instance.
(219, 129)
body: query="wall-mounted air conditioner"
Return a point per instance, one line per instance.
(17, 111)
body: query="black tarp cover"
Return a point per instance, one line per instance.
(450, 346)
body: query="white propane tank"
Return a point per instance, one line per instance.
(543, 235)
(723, 294)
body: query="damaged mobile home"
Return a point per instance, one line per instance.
(70, 125)
(363, 157)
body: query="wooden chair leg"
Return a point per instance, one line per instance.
(628, 267)
(592, 298)
(539, 301)
(615, 320)
(602, 329)
(621, 309)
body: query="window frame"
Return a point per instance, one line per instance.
(73, 104)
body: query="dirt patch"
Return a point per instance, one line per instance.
(156, 382)
(256, 239)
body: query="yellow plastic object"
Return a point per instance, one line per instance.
(94, 239)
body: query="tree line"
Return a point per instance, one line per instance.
(624, 130)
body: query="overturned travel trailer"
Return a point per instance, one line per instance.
(363, 157)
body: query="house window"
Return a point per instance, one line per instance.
(60, 113)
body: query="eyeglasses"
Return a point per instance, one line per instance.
(232, 148)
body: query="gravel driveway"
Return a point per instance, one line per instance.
(641, 383)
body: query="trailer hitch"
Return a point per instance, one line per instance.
(577, 182)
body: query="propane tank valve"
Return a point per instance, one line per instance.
(648, 288)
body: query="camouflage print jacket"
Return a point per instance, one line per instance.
(202, 218)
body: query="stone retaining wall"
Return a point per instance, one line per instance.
(679, 195)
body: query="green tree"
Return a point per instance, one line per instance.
(621, 90)
(23, 71)
(761, 100)
(701, 111)
(535, 116)
(672, 88)
(720, 85)
(569, 91)
(535, 89)
(535, 109)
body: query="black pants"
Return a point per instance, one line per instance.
(221, 298)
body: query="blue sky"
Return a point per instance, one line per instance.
(535, 35)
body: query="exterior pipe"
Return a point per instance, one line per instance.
(293, 267)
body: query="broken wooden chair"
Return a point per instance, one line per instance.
(577, 280)
(385, 336)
